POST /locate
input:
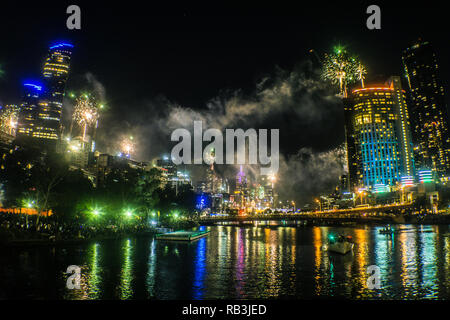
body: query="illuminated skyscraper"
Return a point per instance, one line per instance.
(353, 163)
(41, 117)
(403, 127)
(429, 118)
(29, 108)
(378, 137)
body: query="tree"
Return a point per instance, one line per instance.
(15, 175)
(146, 190)
(73, 191)
(45, 177)
(117, 191)
(186, 199)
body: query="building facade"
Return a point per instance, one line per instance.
(379, 144)
(429, 117)
(40, 117)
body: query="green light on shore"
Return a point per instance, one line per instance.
(128, 213)
(28, 203)
(95, 211)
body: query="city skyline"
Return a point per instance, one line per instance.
(226, 151)
(149, 138)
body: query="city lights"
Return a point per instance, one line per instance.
(407, 181)
(95, 212)
(425, 176)
(128, 213)
(125, 161)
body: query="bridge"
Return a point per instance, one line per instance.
(387, 213)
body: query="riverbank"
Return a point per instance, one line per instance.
(24, 237)
(73, 241)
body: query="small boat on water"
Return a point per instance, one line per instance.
(387, 230)
(182, 235)
(340, 244)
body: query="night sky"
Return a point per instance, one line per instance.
(189, 53)
(144, 55)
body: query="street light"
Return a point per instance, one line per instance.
(128, 213)
(95, 211)
(320, 204)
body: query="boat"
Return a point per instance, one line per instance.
(182, 235)
(340, 244)
(387, 230)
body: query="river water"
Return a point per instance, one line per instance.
(238, 263)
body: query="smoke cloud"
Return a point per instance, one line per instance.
(304, 108)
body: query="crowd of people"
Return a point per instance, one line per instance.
(15, 226)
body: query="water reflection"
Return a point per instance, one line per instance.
(151, 274)
(94, 278)
(241, 263)
(126, 290)
(199, 270)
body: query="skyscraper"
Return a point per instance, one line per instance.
(32, 94)
(429, 118)
(41, 118)
(403, 129)
(353, 159)
(378, 137)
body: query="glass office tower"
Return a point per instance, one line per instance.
(429, 117)
(379, 144)
(40, 119)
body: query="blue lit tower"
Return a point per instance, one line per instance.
(404, 135)
(380, 128)
(43, 122)
(56, 73)
(29, 109)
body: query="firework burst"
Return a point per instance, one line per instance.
(342, 69)
(85, 113)
(9, 118)
(361, 70)
(127, 146)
